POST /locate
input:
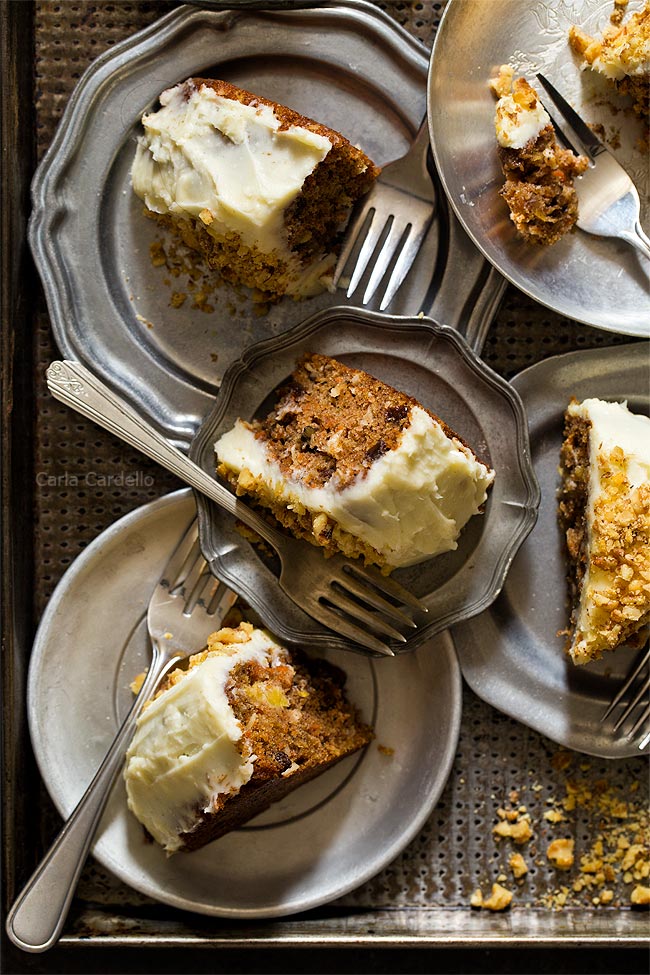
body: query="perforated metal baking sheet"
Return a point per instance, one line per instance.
(83, 480)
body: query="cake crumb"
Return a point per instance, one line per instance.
(560, 853)
(476, 900)
(386, 750)
(518, 865)
(640, 896)
(137, 682)
(499, 899)
(519, 831)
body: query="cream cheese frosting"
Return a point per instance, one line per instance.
(619, 488)
(186, 750)
(410, 505)
(233, 166)
(516, 124)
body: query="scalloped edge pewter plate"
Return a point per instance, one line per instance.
(345, 62)
(512, 656)
(434, 364)
(599, 281)
(324, 839)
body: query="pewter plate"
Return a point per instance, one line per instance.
(347, 64)
(434, 364)
(326, 838)
(599, 281)
(512, 656)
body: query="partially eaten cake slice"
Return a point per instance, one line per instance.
(241, 726)
(622, 55)
(605, 513)
(539, 174)
(260, 191)
(355, 466)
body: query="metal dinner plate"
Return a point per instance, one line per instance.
(435, 365)
(512, 655)
(346, 63)
(600, 281)
(324, 839)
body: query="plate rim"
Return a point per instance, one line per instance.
(618, 749)
(445, 655)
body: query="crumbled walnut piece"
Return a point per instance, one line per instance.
(640, 896)
(137, 682)
(519, 832)
(501, 84)
(560, 853)
(554, 816)
(476, 900)
(518, 865)
(499, 899)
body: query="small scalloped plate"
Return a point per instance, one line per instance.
(434, 364)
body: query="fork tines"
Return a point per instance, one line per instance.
(358, 596)
(633, 698)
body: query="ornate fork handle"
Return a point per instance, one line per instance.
(76, 386)
(35, 921)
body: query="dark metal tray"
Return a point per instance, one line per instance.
(54, 501)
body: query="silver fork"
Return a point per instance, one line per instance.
(400, 208)
(342, 595)
(633, 697)
(608, 201)
(187, 604)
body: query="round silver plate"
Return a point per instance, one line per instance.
(324, 839)
(600, 281)
(433, 364)
(347, 64)
(512, 655)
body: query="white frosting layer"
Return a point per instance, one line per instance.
(184, 752)
(229, 165)
(410, 505)
(612, 425)
(620, 58)
(515, 125)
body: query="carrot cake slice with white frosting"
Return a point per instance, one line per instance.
(351, 464)
(237, 728)
(260, 191)
(539, 174)
(605, 514)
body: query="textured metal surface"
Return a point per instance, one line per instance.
(358, 816)
(603, 282)
(423, 897)
(111, 308)
(512, 655)
(434, 365)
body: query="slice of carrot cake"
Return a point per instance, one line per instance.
(622, 55)
(539, 174)
(605, 512)
(351, 464)
(239, 727)
(259, 190)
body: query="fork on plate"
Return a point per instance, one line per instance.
(345, 596)
(608, 201)
(187, 604)
(390, 223)
(631, 704)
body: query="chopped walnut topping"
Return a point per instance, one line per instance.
(560, 853)
(518, 865)
(519, 831)
(499, 899)
(640, 896)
